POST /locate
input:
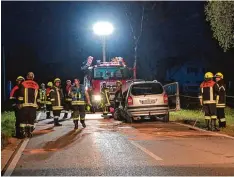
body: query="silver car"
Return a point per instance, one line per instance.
(149, 99)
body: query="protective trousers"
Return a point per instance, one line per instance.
(221, 117)
(56, 114)
(210, 116)
(78, 114)
(27, 117)
(67, 107)
(48, 111)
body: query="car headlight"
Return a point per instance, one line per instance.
(97, 97)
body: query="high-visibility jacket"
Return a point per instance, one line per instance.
(56, 98)
(208, 92)
(221, 98)
(77, 95)
(28, 91)
(42, 96)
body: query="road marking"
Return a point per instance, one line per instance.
(146, 151)
(15, 160)
(17, 156)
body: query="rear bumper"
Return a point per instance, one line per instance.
(134, 112)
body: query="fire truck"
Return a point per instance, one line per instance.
(108, 72)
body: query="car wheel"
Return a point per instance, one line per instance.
(166, 118)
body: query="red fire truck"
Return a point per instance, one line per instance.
(108, 72)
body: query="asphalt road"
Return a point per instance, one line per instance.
(111, 148)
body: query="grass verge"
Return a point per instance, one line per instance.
(190, 116)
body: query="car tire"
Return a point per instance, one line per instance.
(166, 118)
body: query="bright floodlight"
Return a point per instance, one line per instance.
(103, 28)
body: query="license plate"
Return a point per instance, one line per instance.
(149, 101)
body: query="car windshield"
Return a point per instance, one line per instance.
(114, 73)
(146, 89)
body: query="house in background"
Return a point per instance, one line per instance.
(189, 74)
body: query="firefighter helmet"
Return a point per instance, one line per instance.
(209, 75)
(119, 82)
(42, 84)
(68, 81)
(20, 78)
(30, 75)
(50, 84)
(57, 80)
(219, 74)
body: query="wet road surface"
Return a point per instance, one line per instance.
(110, 148)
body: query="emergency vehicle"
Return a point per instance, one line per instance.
(108, 72)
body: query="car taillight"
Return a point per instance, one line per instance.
(130, 101)
(165, 98)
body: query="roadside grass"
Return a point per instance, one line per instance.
(8, 123)
(190, 116)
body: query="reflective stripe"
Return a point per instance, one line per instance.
(12, 98)
(48, 102)
(57, 107)
(23, 125)
(207, 117)
(35, 96)
(38, 100)
(213, 117)
(21, 98)
(78, 103)
(68, 99)
(26, 95)
(200, 97)
(217, 99)
(211, 94)
(82, 118)
(52, 99)
(77, 118)
(222, 120)
(208, 102)
(29, 105)
(59, 101)
(202, 90)
(220, 106)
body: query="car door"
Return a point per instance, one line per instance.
(172, 90)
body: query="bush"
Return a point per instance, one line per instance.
(8, 123)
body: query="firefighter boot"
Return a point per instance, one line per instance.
(76, 124)
(208, 124)
(83, 123)
(65, 115)
(215, 128)
(56, 122)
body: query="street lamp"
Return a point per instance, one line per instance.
(103, 29)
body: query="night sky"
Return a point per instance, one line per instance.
(52, 39)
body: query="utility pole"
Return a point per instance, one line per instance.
(104, 48)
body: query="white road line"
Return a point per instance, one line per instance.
(15, 160)
(146, 151)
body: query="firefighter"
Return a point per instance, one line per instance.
(118, 95)
(208, 94)
(48, 102)
(78, 95)
(28, 91)
(105, 94)
(56, 98)
(221, 101)
(67, 103)
(14, 100)
(42, 97)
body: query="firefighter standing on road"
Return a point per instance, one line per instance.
(118, 95)
(42, 97)
(48, 102)
(56, 98)
(208, 94)
(78, 95)
(28, 91)
(105, 94)
(67, 103)
(221, 101)
(14, 99)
